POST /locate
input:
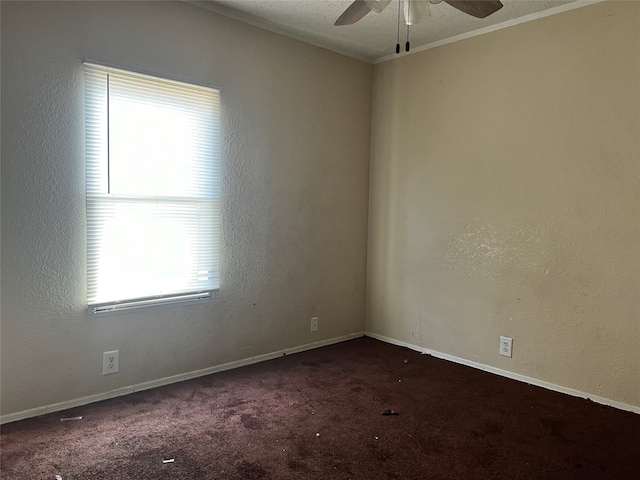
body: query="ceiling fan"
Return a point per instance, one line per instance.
(415, 11)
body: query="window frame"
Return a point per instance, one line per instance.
(209, 278)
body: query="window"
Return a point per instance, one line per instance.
(153, 189)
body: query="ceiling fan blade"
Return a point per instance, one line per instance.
(378, 5)
(416, 11)
(476, 8)
(353, 13)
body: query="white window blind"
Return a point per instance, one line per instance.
(153, 188)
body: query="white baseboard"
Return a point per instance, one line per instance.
(56, 407)
(507, 374)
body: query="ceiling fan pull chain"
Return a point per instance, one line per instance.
(407, 45)
(398, 41)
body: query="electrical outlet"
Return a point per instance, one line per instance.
(110, 362)
(314, 324)
(505, 346)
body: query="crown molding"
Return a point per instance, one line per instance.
(272, 27)
(498, 26)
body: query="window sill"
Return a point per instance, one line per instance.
(114, 308)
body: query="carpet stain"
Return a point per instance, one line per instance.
(492, 428)
(297, 465)
(488, 458)
(555, 427)
(227, 414)
(252, 471)
(304, 451)
(250, 422)
(236, 402)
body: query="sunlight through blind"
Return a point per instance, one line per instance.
(153, 187)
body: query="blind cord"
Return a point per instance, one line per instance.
(108, 141)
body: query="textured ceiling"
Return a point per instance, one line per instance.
(375, 35)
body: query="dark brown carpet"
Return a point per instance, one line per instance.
(317, 415)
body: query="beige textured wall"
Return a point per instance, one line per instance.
(296, 122)
(505, 200)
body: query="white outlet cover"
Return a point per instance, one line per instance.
(110, 363)
(506, 345)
